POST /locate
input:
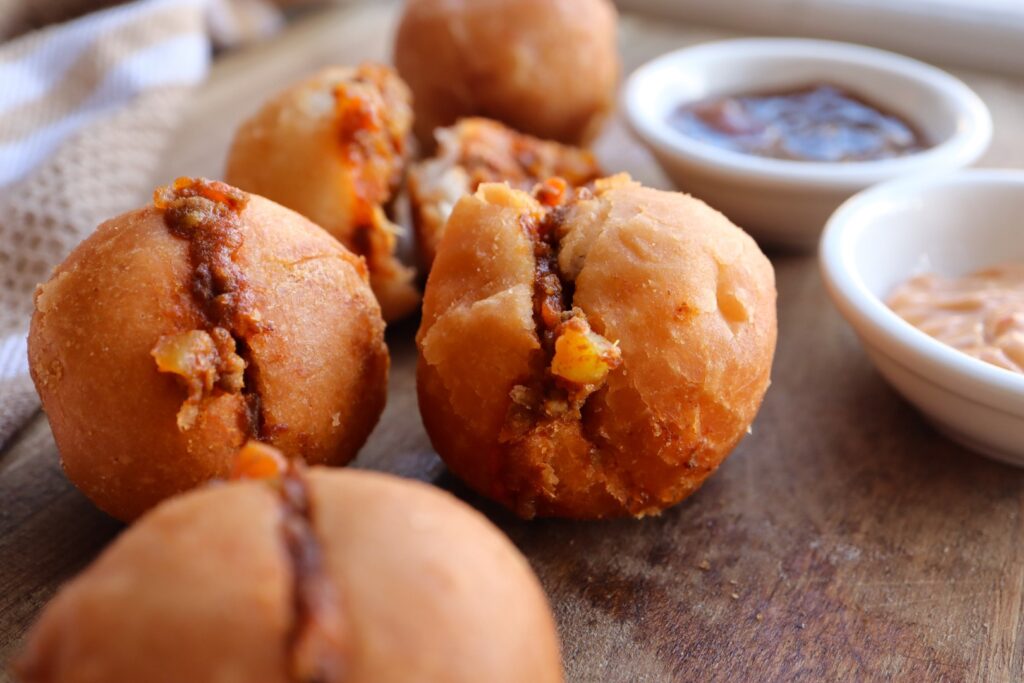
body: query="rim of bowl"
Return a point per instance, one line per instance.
(972, 135)
(873, 320)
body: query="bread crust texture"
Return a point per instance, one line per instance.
(680, 301)
(392, 581)
(177, 332)
(334, 147)
(549, 68)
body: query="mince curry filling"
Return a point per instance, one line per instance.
(576, 360)
(318, 640)
(358, 121)
(216, 359)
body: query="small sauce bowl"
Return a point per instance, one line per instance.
(781, 201)
(952, 225)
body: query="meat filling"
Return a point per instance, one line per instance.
(373, 145)
(476, 151)
(575, 359)
(215, 359)
(204, 361)
(318, 640)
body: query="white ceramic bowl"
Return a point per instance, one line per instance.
(950, 224)
(787, 202)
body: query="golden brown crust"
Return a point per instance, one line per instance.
(321, 356)
(334, 147)
(545, 67)
(198, 591)
(688, 297)
(204, 588)
(476, 151)
(446, 597)
(324, 364)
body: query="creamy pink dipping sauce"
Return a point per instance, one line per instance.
(981, 314)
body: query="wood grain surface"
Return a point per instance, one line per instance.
(844, 540)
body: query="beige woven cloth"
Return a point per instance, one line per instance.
(86, 109)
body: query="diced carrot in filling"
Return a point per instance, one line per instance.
(552, 192)
(258, 460)
(582, 356)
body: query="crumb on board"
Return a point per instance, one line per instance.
(704, 566)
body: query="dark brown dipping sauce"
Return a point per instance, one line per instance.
(820, 122)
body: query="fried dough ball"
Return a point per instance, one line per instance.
(476, 151)
(545, 67)
(334, 147)
(178, 331)
(597, 358)
(327, 576)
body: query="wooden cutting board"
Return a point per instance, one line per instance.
(843, 540)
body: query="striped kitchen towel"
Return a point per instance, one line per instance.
(86, 109)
